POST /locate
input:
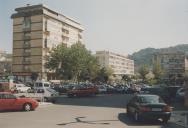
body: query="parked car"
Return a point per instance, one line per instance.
(9, 101)
(133, 89)
(120, 88)
(180, 94)
(102, 89)
(21, 88)
(47, 94)
(149, 107)
(110, 89)
(172, 90)
(80, 90)
(61, 89)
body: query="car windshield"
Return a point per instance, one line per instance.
(51, 90)
(46, 85)
(150, 99)
(38, 84)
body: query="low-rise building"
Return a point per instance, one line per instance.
(120, 64)
(173, 64)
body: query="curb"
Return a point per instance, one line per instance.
(44, 103)
(182, 117)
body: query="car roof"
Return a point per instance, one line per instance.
(140, 95)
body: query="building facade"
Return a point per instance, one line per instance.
(120, 64)
(173, 64)
(36, 30)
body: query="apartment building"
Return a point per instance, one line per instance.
(120, 64)
(36, 30)
(174, 64)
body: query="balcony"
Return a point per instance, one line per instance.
(46, 32)
(65, 38)
(65, 34)
(26, 37)
(65, 28)
(26, 29)
(26, 54)
(46, 49)
(26, 62)
(80, 36)
(26, 69)
(26, 45)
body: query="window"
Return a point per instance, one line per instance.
(46, 85)
(38, 85)
(26, 42)
(1, 96)
(45, 43)
(26, 67)
(8, 96)
(46, 25)
(27, 50)
(26, 58)
(27, 22)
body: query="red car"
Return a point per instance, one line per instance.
(82, 91)
(9, 101)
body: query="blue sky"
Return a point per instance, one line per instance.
(123, 26)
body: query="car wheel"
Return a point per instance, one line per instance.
(27, 107)
(128, 111)
(136, 116)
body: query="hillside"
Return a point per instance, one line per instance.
(144, 56)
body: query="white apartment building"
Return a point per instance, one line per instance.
(120, 64)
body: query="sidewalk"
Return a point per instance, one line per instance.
(180, 118)
(42, 104)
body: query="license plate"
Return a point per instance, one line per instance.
(156, 109)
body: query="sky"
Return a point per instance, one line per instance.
(122, 26)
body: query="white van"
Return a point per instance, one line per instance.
(41, 85)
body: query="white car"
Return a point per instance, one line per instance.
(102, 89)
(21, 88)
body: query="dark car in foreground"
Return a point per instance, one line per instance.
(160, 91)
(9, 101)
(148, 107)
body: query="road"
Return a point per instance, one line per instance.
(104, 111)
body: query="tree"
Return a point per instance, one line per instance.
(158, 72)
(91, 70)
(75, 62)
(58, 62)
(150, 78)
(126, 78)
(104, 74)
(143, 71)
(78, 57)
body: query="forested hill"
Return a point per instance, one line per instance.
(144, 56)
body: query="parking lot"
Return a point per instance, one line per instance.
(102, 111)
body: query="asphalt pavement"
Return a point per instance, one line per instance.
(103, 111)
